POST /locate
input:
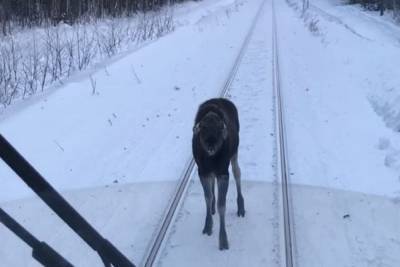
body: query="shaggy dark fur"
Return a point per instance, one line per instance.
(215, 145)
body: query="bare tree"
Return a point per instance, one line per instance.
(36, 12)
(85, 47)
(5, 17)
(58, 51)
(30, 70)
(396, 11)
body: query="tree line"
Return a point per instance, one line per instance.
(29, 13)
(380, 5)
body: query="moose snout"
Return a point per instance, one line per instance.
(211, 151)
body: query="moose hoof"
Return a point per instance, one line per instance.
(207, 231)
(208, 227)
(240, 213)
(223, 244)
(240, 203)
(213, 210)
(223, 241)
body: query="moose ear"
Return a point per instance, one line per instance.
(196, 128)
(224, 132)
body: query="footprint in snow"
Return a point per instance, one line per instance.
(384, 143)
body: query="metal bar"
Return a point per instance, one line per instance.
(60, 206)
(42, 252)
(17, 229)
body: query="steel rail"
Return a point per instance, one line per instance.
(282, 145)
(187, 173)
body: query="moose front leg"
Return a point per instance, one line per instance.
(207, 182)
(237, 175)
(213, 193)
(223, 183)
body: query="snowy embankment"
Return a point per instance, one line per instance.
(381, 82)
(33, 60)
(384, 94)
(120, 137)
(342, 155)
(347, 68)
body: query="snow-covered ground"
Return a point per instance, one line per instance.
(136, 128)
(117, 155)
(337, 144)
(142, 109)
(337, 138)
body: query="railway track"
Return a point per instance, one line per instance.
(157, 242)
(283, 164)
(187, 173)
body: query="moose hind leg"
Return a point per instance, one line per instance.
(206, 182)
(223, 183)
(237, 174)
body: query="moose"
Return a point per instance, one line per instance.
(215, 144)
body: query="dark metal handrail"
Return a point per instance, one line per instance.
(110, 255)
(41, 252)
